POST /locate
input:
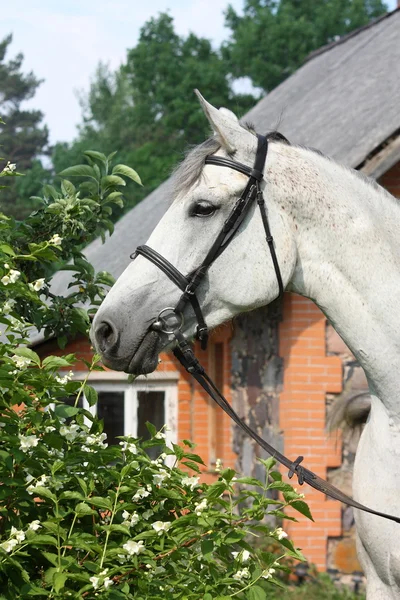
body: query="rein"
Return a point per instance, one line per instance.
(170, 320)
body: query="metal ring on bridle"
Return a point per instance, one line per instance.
(161, 323)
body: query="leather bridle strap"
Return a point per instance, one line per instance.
(185, 355)
(189, 283)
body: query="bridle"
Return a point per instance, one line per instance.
(189, 283)
(170, 319)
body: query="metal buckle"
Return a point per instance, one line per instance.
(161, 324)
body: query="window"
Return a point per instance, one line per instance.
(126, 407)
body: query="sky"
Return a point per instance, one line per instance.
(64, 40)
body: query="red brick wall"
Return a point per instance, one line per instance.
(308, 375)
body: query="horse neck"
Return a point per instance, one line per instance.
(348, 232)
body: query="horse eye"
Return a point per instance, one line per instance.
(203, 209)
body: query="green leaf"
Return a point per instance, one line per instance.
(7, 249)
(71, 495)
(151, 429)
(50, 192)
(64, 411)
(67, 188)
(42, 539)
(52, 558)
(83, 509)
(96, 156)
(56, 362)
(127, 172)
(58, 580)
(111, 181)
(79, 171)
(255, 592)
(90, 394)
(83, 484)
(268, 462)
(249, 481)
(27, 353)
(302, 507)
(45, 493)
(207, 546)
(100, 502)
(194, 457)
(233, 537)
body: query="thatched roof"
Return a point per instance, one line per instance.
(345, 101)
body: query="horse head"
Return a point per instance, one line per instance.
(240, 279)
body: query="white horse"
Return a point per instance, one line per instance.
(337, 239)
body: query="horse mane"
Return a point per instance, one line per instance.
(188, 171)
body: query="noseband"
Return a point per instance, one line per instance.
(170, 320)
(188, 284)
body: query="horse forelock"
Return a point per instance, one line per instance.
(189, 170)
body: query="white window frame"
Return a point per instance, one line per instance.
(112, 381)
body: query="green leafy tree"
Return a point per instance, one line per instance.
(271, 39)
(24, 138)
(147, 109)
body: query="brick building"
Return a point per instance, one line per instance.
(283, 365)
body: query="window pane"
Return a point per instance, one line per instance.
(150, 408)
(110, 407)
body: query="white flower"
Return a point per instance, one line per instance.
(97, 439)
(159, 477)
(20, 361)
(8, 306)
(128, 447)
(218, 465)
(107, 582)
(160, 435)
(18, 534)
(34, 525)
(279, 533)
(41, 482)
(244, 555)
(200, 506)
(94, 581)
(65, 379)
(134, 547)
(130, 520)
(70, 432)
(56, 240)
(11, 277)
(243, 574)
(9, 168)
(141, 493)
(37, 285)
(49, 428)
(27, 442)
(267, 574)
(9, 545)
(147, 514)
(161, 526)
(190, 482)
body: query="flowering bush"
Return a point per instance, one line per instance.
(81, 519)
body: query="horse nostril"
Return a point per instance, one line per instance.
(106, 336)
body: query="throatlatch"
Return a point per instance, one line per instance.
(170, 319)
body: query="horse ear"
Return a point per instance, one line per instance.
(224, 123)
